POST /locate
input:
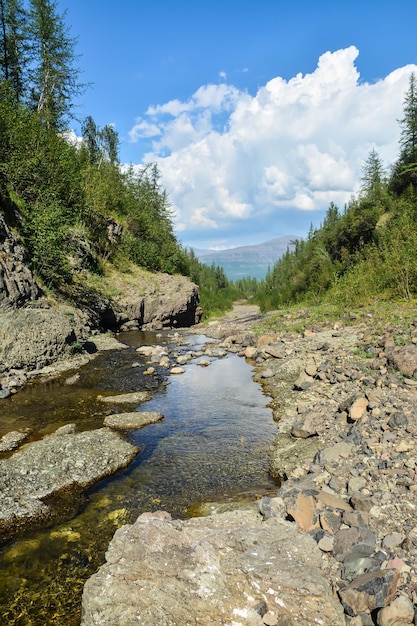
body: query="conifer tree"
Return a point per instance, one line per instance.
(13, 46)
(53, 77)
(405, 170)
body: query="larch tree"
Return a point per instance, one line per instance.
(405, 170)
(53, 75)
(13, 46)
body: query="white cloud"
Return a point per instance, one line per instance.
(233, 158)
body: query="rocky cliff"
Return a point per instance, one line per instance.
(36, 331)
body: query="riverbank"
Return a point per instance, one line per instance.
(343, 395)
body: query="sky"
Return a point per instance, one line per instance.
(259, 113)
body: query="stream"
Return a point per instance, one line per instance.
(210, 449)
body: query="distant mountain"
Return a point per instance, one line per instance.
(244, 261)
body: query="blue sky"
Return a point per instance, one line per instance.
(258, 113)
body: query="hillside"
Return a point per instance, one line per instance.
(243, 261)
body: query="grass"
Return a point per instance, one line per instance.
(377, 317)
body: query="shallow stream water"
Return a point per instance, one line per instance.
(212, 446)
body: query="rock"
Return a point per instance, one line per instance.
(204, 362)
(398, 613)
(333, 453)
(306, 427)
(177, 370)
(132, 421)
(12, 440)
(267, 373)
(17, 285)
(167, 301)
(398, 420)
(33, 338)
(250, 352)
(277, 351)
(404, 359)
(5, 393)
(229, 568)
(358, 408)
(303, 382)
(354, 543)
(41, 481)
(288, 456)
(369, 592)
(127, 398)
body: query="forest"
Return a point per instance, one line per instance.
(365, 251)
(79, 210)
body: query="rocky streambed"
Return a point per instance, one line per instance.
(337, 544)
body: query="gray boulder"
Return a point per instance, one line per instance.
(33, 338)
(230, 568)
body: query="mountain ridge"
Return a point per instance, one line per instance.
(247, 261)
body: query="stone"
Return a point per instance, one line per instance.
(267, 373)
(358, 408)
(228, 568)
(398, 420)
(204, 362)
(132, 421)
(369, 591)
(342, 449)
(136, 397)
(276, 351)
(176, 370)
(306, 427)
(250, 352)
(398, 613)
(404, 359)
(354, 543)
(303, 382)
(12, 440)
(392, 540)
(304, 512)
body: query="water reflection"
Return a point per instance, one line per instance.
(212, 445)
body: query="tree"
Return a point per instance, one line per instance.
(373, 175)
(405, 170)
(13, 46)
(53, 77)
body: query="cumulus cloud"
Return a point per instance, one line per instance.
(231, 160)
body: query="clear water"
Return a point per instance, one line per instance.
(212, 446)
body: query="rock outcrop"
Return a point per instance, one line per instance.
(232, 568)
(17, 285)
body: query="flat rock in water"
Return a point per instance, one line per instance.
(56, 468)
(132, 421)
(212, 570)
(127, 398)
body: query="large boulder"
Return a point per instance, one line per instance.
(33, 337)
(166, 301)
(229, 568)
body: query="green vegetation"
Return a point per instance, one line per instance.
(82, 215)
(364, 252)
